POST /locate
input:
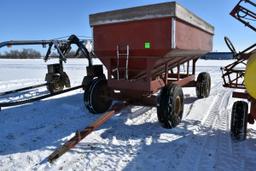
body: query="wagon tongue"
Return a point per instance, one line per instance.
(85, 132)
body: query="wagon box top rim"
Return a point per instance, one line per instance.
(153, 11)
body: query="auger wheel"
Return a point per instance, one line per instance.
(170, 106)
(57, 82)
(55, 86)
(239, 120)
(97, 97)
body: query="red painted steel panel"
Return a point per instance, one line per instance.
(190, 37)
(147, 61)
(134, 34)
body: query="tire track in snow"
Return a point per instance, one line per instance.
(125, 152)
(224, 147)
(210, 153)
(230, 151)
(117, 160)
(214, 92)
(202, 136)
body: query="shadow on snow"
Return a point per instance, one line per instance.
(44, 124)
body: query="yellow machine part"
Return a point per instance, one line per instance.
(250, 76)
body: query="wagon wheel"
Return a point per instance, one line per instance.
(97, 99)
(203, 85)
(170, 106)
(239, 120)
(230, 46)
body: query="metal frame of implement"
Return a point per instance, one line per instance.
(244, 14)
(63, 47)
(233, 76)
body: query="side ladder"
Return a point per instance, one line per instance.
(122, 53)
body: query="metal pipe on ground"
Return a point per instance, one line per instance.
(85, 132)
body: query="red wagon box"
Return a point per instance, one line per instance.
(162, 27)
(136, 43)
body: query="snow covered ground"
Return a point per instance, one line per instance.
(131, 140)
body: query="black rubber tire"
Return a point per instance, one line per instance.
(203, 85)
(95, 97)
(170, 106)
(55, 86)
(65, 79)
(239, 118)
(57, 82)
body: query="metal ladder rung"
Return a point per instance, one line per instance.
(126, 62)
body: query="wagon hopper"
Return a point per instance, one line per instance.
(143, 49)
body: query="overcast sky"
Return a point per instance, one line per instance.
(46, 19)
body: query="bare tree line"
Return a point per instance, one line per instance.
(33, 54)
(23, 54)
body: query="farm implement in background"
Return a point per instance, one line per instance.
(241, 73)
(56, 79)
(244, 12)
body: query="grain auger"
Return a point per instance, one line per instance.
(56, 79)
